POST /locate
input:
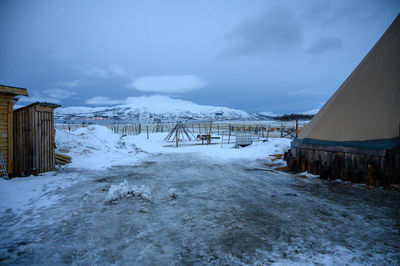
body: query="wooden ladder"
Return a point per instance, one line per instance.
(3, 168)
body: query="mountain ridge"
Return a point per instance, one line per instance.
(153, 108)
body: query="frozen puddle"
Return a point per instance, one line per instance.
(186, 209)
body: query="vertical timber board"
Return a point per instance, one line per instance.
(16, 140)
(52, 135)
(51, 141)
(4, 131)
(47, 150)
(29, 139)
(10, 138)
(52, 146)
(30, 135)
(41, 139)
(334, 166)
(40, 143)
(34, 140)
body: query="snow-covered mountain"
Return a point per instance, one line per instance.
(152, 108)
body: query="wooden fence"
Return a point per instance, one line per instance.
(262, 130)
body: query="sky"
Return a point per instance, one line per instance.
(258, 56)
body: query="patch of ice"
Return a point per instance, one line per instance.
(21, 194)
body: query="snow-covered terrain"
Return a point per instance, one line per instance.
(153, 107)
(96, 147)
(129, 200)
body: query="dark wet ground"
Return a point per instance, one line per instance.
(223, 214)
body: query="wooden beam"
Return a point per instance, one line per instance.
(13, 90)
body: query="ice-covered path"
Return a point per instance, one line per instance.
(204, 212)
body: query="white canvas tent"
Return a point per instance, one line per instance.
(361, 117)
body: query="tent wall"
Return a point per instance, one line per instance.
(366, 106)
(356, 134)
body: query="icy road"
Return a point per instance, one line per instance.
(195, 205)
(200, 212)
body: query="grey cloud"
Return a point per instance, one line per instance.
(62, 56)
(325, 44)
(58, 94)
(71, 84)
(276, 29)
(101, 100)
(309, 92)
(95, 71)
(167, 83)
(100, 72)
(49, 95)
(117, 71)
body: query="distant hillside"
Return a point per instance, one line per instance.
(153, 108)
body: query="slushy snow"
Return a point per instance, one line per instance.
(124, 190)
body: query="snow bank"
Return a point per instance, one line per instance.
(124, 190)
(258, 150)
(96, 147)
(21, 194)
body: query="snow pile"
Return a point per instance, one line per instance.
(124, 190)
(96, 147)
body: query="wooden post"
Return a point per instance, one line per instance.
(297, 127)
(268, 131)
(229, 138)
(147, 129)
(176, 137)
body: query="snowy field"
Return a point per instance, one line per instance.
(131, 201)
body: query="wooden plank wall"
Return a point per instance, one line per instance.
(356, 167)
(6, 127)
(34, 140)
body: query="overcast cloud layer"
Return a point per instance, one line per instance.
(259, 56)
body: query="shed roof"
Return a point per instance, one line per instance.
(4, 89)
(45, 104)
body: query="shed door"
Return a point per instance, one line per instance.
(46, 146)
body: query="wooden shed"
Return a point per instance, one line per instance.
(7, 99)
(34, 139)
